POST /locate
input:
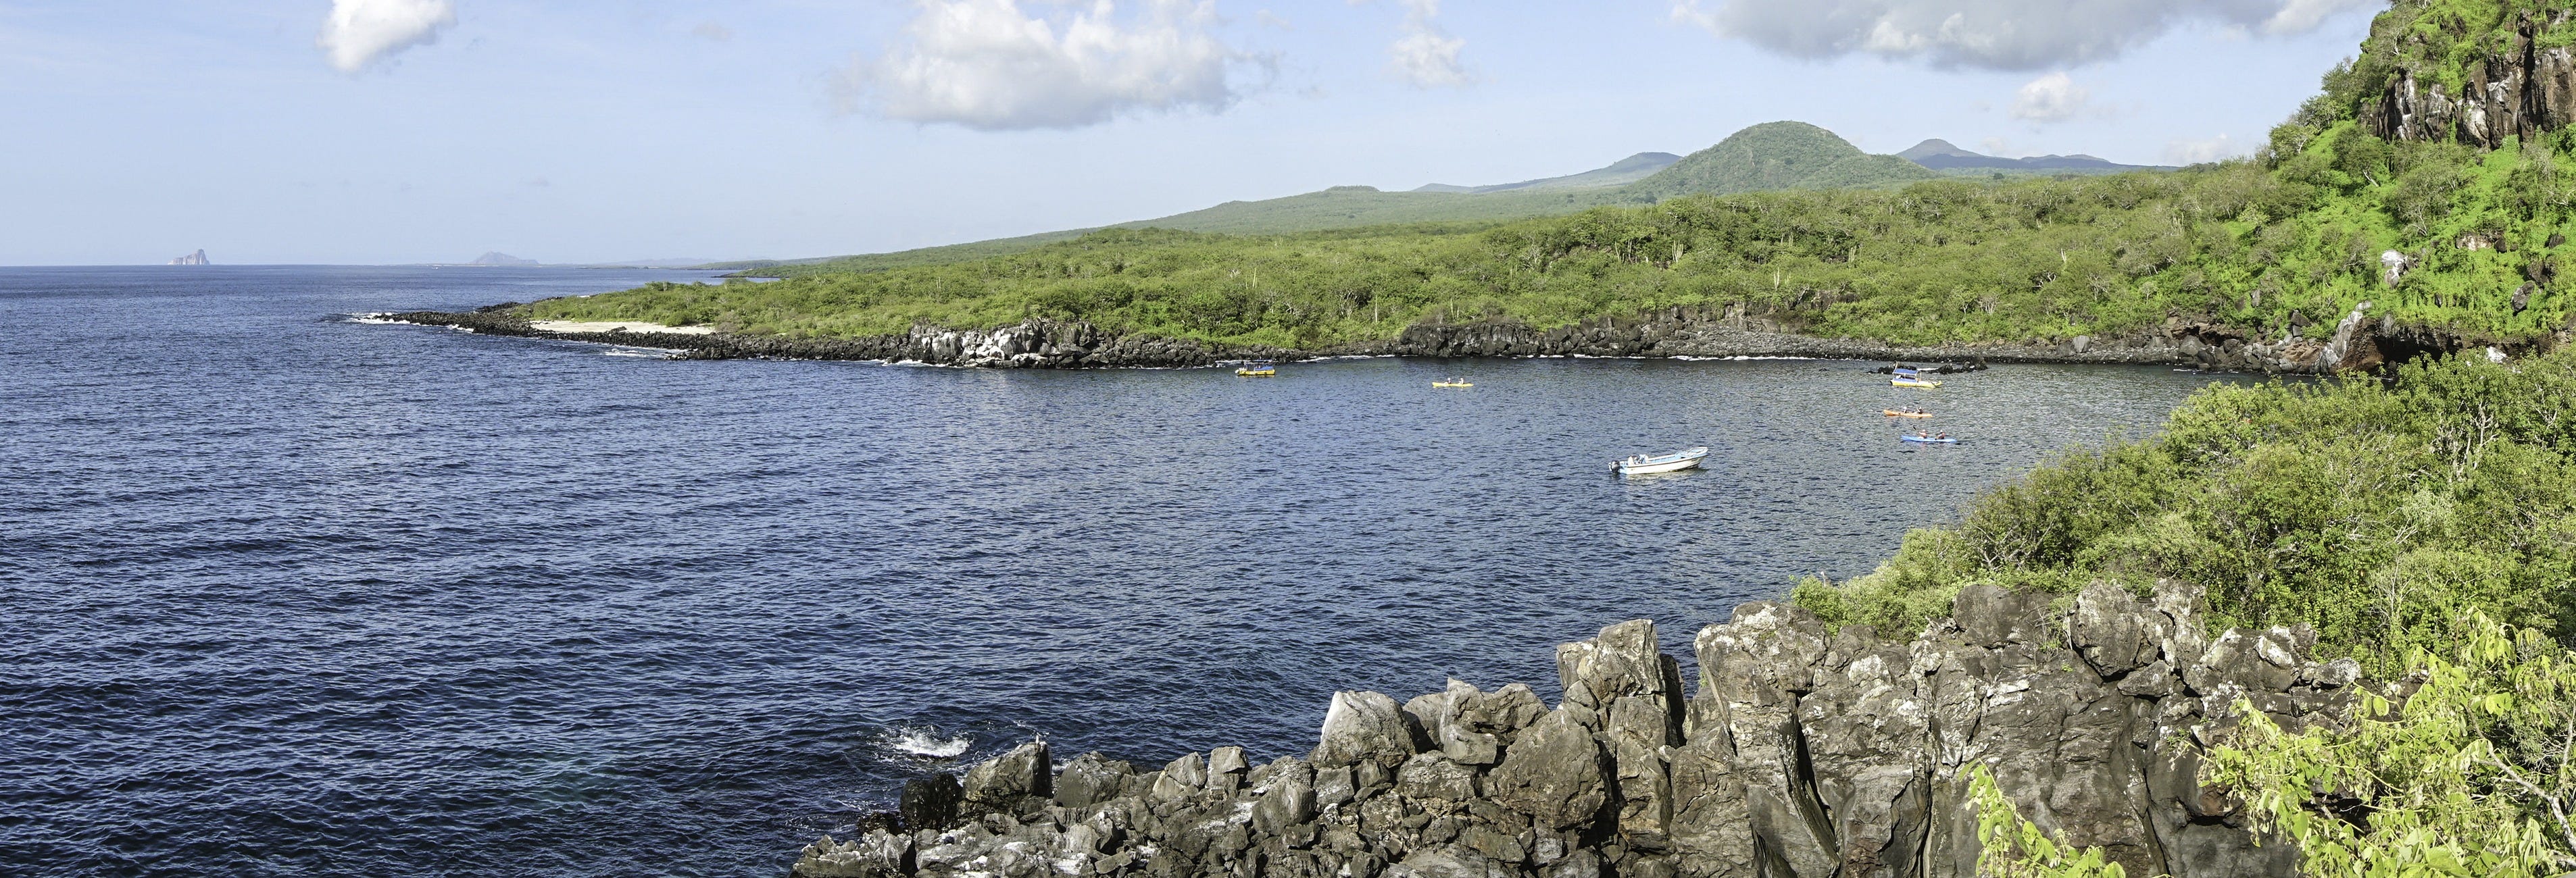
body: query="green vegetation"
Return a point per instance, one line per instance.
(2011, 847)
(2274, 251)
(2426, 527)
(2376, 513)
(2445, 43)
(2473, 776)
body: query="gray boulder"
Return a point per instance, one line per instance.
(1554, 772)
(1365, 727)
(1091, 779)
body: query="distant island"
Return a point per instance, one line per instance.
(498, 258)
(197, 258)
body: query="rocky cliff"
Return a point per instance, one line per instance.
(2359, 343)
(1801, 754)
(2517, 88)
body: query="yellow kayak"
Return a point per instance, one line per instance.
(1912, 382)
(1897, 414)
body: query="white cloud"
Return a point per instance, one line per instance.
(1992, 34)
(712, 30)
(1996, 146)
(2208, 149)
(986, 64)
(1425, 56)
(362, 32)
(2051, 98)
(2301, 16)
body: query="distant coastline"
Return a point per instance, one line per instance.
(1684, 331)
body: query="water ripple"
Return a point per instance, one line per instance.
(289, 594)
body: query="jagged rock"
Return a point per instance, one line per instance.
(1365, 727)
(1434, 776)
(1449, 862)
(1991, 616)
(876, 855)
(1711, 830)
(930, 802)
(1003, 781)
(1090, 779)
(1803, 754)
(1554, 773)
(2106, 629)
(1639, 728)
(1180, 779)
(1501, 713)
(1290, 801)
(1624, 660)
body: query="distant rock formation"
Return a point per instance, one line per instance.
(499, 258)
(197, 258)
(1942, 155)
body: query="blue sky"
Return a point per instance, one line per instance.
(382, 131)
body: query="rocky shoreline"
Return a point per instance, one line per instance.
(2358, 344)
(1801, 754)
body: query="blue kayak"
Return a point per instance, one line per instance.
(1929, 440)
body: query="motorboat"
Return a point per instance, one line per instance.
(1257, 369)
(1451, 384)
(1639, 465)
(1906, 377)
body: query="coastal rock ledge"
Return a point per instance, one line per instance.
(2357, 344)
(1802, 754)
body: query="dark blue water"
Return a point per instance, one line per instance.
(283, 594)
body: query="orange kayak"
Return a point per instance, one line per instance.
(1897, 414)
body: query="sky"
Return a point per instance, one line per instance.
(407, 131)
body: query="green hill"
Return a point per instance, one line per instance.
(1775, 155)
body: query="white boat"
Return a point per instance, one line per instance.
(1665, 463)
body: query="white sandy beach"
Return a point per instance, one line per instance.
(613, 325)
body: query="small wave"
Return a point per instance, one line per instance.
(374, 319)
(646, 353)
(925, 742)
